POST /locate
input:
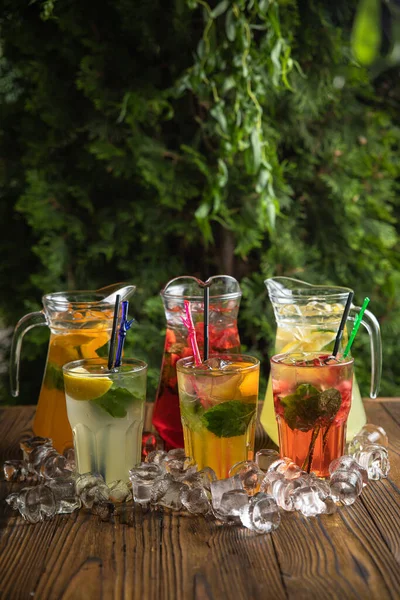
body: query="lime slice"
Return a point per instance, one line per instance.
(86, 388)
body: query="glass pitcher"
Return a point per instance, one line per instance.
(225, 295)
(80, 325)
(307, 318)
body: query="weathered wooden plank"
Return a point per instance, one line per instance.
(202, 559)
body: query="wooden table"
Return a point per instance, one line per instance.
(163, 555)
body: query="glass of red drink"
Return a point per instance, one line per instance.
(312, 398)
(225, 295)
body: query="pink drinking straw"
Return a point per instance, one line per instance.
(188, 323)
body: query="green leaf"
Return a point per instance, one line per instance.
(102, 352)
(219, 9)
(229, 419)
(53, 378)
(308, 407)
(366, 35)
(116, 401)
(230, 26)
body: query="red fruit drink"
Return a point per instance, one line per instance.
(223, 338)
(312, 397)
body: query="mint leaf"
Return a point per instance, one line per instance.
(329, 403)
(53, 377)
(102, 352)
(309, 407)
(116, 401)
(229, 419)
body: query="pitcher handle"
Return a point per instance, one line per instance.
(25, 324)
(371, 324)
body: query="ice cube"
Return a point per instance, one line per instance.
(119, 491)
(293, 471)
(207, 475)
(53, 466)
(216, 364)
(13, 500)
(37, 457)
(219, 487)
(143, 478)
(65, 495)
(36, 503)
(176, 454)
(369, 434)
(31, 443)
(269, 478)
(250, 474)
(70, 458)
(261, 514)
(346, 485)
(307, 500)
(281, 465)
(375, 460)
(179, 469)
(282, 491)
(265, 458)
(92, 489)
(156, 456)
(171, 498)
(348, 462)
(15, 470)
(232, 502)
(196, 501)
(374, 434)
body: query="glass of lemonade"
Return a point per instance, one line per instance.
(312, 398)
(218, 403)
(106, 413)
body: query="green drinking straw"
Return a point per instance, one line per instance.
(356, 325)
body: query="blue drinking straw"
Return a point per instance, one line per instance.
(125, 325)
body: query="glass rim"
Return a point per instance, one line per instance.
(184, 365)
(68, 367)
(312, 354)
(306, 290)
(199, 297)
(60, 299)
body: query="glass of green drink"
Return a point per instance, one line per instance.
(106, 412)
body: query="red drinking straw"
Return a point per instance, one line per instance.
(188, 322)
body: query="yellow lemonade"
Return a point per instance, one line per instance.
(218, 403)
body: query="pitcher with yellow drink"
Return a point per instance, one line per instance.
(307, 318)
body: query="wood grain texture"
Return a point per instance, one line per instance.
(160, 555)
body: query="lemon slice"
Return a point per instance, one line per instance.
(86, 388)
(249, 385)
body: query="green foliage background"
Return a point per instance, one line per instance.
(144, 140)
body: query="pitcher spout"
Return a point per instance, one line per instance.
(125, 290)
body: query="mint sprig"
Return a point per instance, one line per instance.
(309, 407)
(229, 419)
(116, 401)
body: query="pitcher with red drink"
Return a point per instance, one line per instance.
(225, 295)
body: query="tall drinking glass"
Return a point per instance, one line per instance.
(106, 413)
(312, 398)
(218, 403)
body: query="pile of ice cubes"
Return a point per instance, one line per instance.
(255, 494)
(60, 489)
